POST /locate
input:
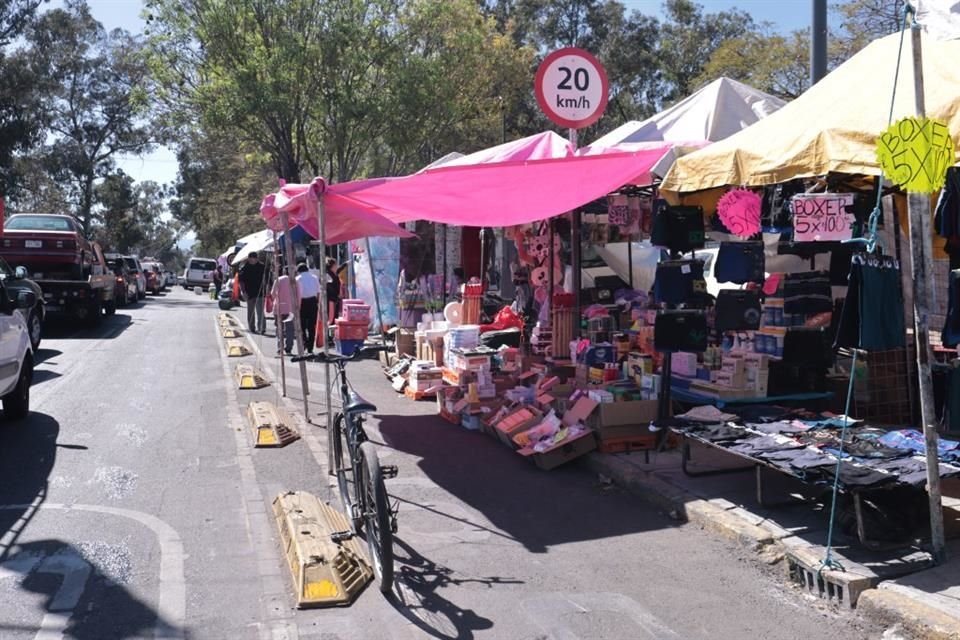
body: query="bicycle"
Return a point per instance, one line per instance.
(369, 504)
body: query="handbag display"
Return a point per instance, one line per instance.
(740, 262)
(678, 228)
(680, 330)
(738, 310)
(677, 281)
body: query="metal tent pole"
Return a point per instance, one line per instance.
(630, 263)
(277, 319)
(576, 257)
(921, 248)
(444, 227)
(295, 303)
(327, 382)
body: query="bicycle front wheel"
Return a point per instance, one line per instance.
(346, 475)
(377, 516)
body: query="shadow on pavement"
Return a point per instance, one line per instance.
(416, 596)
(42, 375)
(66, 328)
(43, 354)
(98, 606)
(536, 508)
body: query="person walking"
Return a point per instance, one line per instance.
(252, 280)
(283, 311)
(333, 290)
(308, 285)
(218, 280)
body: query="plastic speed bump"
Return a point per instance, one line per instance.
(250, 378)
(326, 573)
(237, 348)
(227, 320)
(271, 425)
(230, 332)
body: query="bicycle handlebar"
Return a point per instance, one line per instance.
(336, 357)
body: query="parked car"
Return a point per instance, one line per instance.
(17, 281)
(126, 279)
(155, 283)
(134, 264)
(70, 270)
(16, 354)
(199, 273)
(169, 278)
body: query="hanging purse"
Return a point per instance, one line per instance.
(738, 310)
(740, 262)
(678, 228)
(680, 330)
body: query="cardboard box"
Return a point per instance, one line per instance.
(568, 450)
(518, 420)
(633, 412)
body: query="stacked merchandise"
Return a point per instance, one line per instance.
(352, 327)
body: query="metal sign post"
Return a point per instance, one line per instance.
(278, 321)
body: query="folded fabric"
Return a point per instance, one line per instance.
(780, 426)
(707, 413)
(764, 444)
(858, 477)
(913, 440)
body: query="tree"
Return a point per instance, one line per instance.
(219, 189)
(775, 63)
(689, 38)
(133, 217)
(20, 122)
(862, 21)
(95, 107)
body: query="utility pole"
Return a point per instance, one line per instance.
(818, 42)
(921, 252)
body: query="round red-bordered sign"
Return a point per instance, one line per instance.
(572, 87)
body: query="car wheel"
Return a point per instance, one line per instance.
(141, 295)
(16, 404)
(34, 328)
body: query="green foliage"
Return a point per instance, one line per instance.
(91, 116)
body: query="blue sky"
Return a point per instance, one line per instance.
(161, 166)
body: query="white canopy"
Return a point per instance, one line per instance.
(716, 111)
(259, 241)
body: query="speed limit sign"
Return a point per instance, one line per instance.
(571, 88)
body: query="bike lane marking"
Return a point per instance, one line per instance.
(172, 587)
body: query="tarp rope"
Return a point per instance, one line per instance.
(869, 239)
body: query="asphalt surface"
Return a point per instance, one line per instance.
(132, 504)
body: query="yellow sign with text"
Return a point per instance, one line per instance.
(915, 153)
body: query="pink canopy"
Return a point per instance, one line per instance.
(541, 146)
(670, 151)
(498, 194)
(344, 219)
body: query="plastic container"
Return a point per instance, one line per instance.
(356, 312)
(352, 330)
(347, 347)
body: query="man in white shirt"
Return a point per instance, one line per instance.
(308, 285)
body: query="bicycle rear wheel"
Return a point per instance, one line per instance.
(376, 513)
(346, 474)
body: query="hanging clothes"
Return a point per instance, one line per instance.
(807, 293)
(872, 317)
(740, 262)
(950, 337)
(946, 219)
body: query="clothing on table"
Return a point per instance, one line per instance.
(780, 427)
(763, 413)
(718, 433)
(913, 440)
(760, 445)
(678, 280)
(872, 316)
(857, 477)
(678, 228)
(807, 293)
(256, 320)
(309, 307)
(740, 262)
(707, 413)
(282, 304)
(252, 279)
(737, 310)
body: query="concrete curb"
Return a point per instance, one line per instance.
(681, 504)
(916, 618)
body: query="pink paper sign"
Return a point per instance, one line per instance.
(739, 211)
(822, 217)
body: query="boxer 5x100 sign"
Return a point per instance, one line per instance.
(572, 87)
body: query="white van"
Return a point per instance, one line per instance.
(199, 273)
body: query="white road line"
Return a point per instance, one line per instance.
(75, 571)
(172, 588)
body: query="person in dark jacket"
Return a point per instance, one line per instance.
(252, 288)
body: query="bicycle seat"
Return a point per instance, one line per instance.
(356, 404)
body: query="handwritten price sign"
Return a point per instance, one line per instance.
(821, 217)
(915, 153)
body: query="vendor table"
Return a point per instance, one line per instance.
(757, 466)
(692, 397)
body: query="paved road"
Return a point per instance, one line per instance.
(132, 505)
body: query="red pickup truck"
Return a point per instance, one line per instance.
(70, 270)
